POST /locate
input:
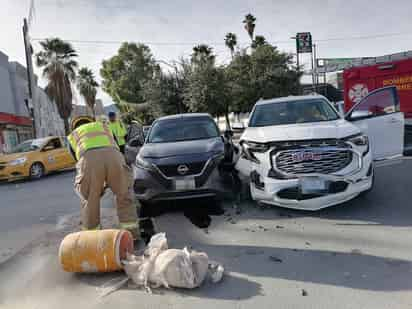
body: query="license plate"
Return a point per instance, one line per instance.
(312, 185)
(185, 184)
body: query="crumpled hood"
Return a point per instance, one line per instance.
(304, 131)
(163, 150)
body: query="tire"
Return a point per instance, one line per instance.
(36, 171)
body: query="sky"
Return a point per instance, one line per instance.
(171, 28)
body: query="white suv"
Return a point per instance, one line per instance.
(298, 152)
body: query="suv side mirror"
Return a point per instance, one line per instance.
(358, 114)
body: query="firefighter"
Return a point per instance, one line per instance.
(100, 163)
(118, 129)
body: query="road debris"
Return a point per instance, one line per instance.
(304, 292)
(307, 243)
(161, 266)
(280, 227)
(275, 259)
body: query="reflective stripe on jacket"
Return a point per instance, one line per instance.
(118, 129)
(89, 136)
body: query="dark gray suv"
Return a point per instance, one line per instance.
(184, 156)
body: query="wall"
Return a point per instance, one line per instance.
(6, 94)
(47, 118)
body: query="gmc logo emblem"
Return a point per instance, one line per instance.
(306, 156)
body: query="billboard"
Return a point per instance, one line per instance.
(304, 42)
(325, 65)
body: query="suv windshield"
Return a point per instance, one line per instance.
(290, 112)
(181, 129)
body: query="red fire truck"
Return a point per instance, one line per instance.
(359, 81)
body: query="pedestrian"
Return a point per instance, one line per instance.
(118, 129)
(101, 164)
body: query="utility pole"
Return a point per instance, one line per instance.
(313, 61)
(29, 64)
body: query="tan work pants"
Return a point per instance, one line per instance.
(96, 168)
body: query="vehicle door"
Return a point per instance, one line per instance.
(378, 116)
(54, 154)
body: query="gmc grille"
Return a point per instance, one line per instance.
(171, 170)
(314, 160)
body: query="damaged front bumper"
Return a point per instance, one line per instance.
(287, 192)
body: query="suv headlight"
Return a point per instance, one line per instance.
(18, 161)
(142, 163)
(249, 148)
(360, 140)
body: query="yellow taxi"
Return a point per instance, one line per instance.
(35, 158)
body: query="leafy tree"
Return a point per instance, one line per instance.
(86, 84)
(206, 87)
(57, 58)
(231, 42)
(265, 73)
(258, 41)
(203, 53)
(164, 93)
(250, 25)
(125, 73)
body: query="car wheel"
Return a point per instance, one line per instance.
(36, 171)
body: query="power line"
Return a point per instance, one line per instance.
(361, 37)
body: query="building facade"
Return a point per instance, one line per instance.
(16, 123)
(15, 120)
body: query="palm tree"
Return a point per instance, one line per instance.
(202, 52)
(57, 58)
(250, 25)
(86, 84)
(259, 41)
(231, 42)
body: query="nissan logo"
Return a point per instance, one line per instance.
(182, 169)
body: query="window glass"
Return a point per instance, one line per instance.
(290, 112)
(379, 103)
(55, 143)
(182, 129)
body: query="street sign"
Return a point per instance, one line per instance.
(303, 42)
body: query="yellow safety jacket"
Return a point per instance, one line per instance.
(119, 131)
(89, 136)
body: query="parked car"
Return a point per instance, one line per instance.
(183, 157)
(35, 158)
(298, 152)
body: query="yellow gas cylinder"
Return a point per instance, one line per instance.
(95, 251)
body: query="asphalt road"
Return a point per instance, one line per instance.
(355, 255)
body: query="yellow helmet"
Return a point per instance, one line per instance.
(78, 121)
